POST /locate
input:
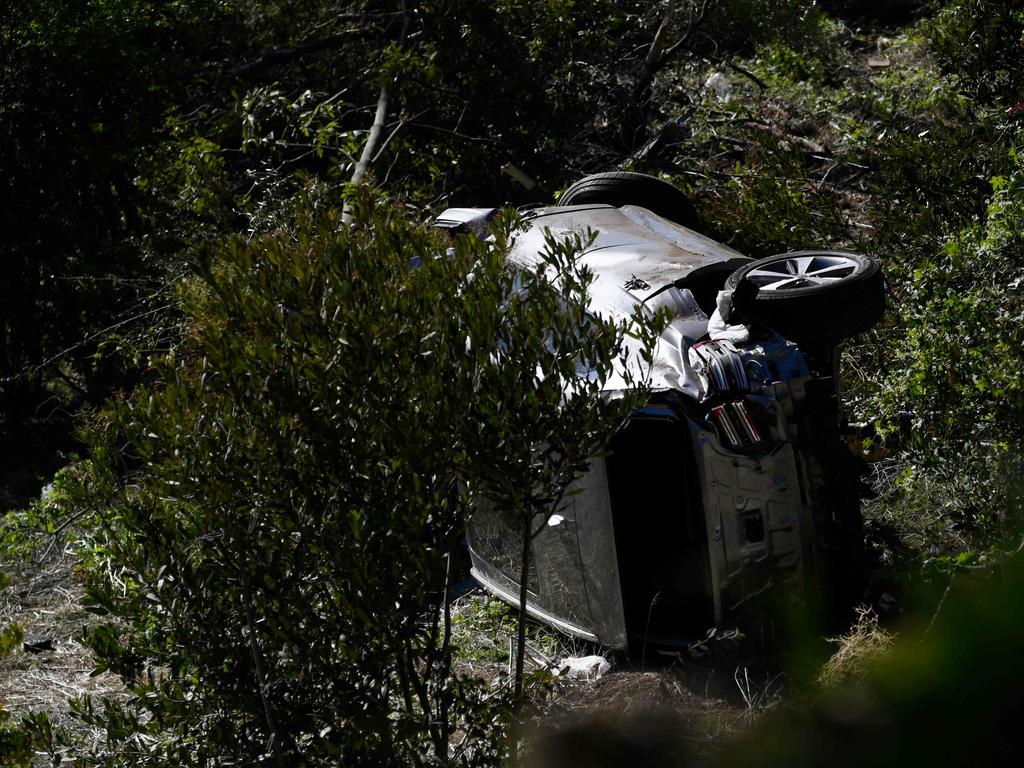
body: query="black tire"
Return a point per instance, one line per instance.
(811, 297)
(624, 188)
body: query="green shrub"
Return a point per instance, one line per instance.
(769, 207)
(955, 367)
(980, 43)
(930, 184)
(962, 310)
(281, 501)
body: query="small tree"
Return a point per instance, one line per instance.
(280, 503)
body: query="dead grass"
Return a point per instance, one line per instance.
(862, 646)
(45, 600)
(627, 692)
(689, 713)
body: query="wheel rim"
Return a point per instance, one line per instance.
(806, 271)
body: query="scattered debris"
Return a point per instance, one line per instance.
(719, 86)
(584, 667)
(37, 644)
(519, 175)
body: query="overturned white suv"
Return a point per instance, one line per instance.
(733, 488)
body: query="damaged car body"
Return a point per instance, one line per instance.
(732, 487)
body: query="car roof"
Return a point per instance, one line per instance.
(635, 255)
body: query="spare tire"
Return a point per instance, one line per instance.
(811, 297)
(624, 188)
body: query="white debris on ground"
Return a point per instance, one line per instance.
(719, 86)
(583, 667)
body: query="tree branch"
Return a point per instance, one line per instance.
(467, 137)
(261, 682)
(391, 135)
(658, 55)
(374, 137)
(283, 55)
(370, 148)
(658, 44)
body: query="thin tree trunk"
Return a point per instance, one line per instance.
(524, 576)
(370, 147)
(379, 119)
(261, 682)
(517, 680)
(446, 660)
(654, 53)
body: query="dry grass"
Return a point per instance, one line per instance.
(44, 599)
(865, 643)
(709, 703)
(627, 692)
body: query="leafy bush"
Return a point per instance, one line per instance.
(962, 309)
(930, 186)
(979, 42)
(84, 92)
(955, 372)
(769, 208)
(282, 501)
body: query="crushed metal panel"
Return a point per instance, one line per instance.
(574, 581)
(755, 524)
(466, 219)
(634, 254)
(600, 560)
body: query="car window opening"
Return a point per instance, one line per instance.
(660, 534)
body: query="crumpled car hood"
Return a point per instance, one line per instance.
(635, 254)
(637, 259)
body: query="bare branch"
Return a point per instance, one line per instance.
(659, 55)
(738, 70)
(693, 25)
(373, 139)
(391, 135)
(35, 369)
(658, 44)
(282, 55)
(467, 137)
